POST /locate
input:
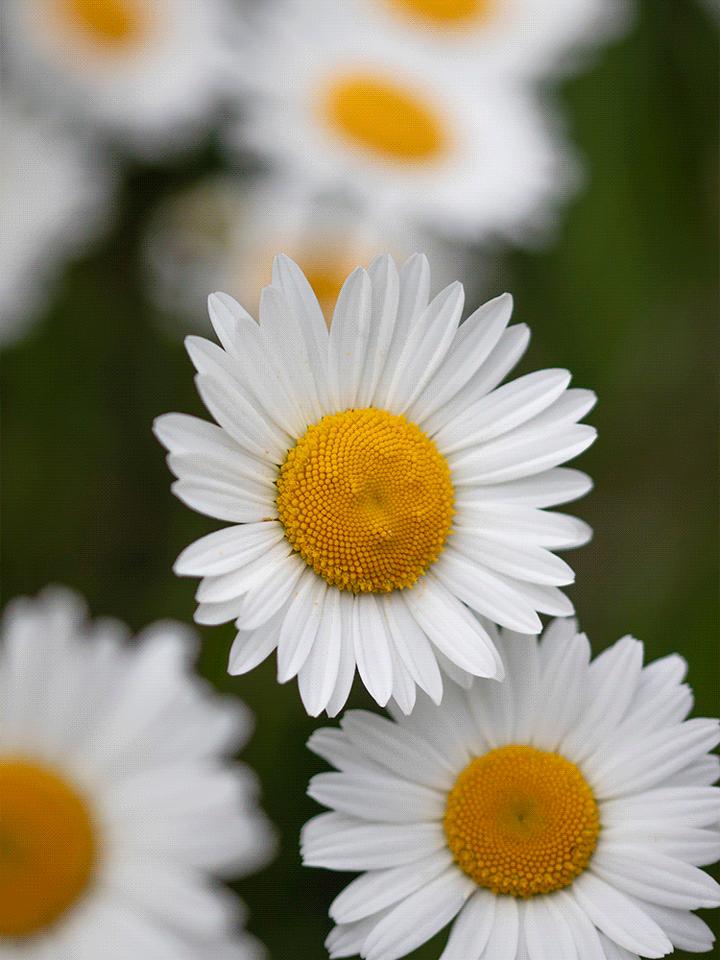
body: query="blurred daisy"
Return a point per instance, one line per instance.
(341, 106)
(54, 200)
(496, 37)
(149, 72)
(223, 233)
(117, 800)
(377, 482)
(561, 814)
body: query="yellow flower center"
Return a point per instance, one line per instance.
(522, 821)
(366, 500)
(48, 847)
(446, 12)
(390, 120)
(112, 23)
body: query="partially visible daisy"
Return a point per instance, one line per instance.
(524, 38)
(562, 814)
(222, 234)
(54, 200)
(118, 803)
(377, 482)
(149, 73)
(337, 105)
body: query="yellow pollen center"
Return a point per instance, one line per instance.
(446, 12)
(47, 847)
(390, 120)
(366, 500)
(112, 23)
(521, 821)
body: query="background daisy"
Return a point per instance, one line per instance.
(223, 234)
(148, 73)
(378, 482)
(118, 801)
(54, 200)
(337, 104)
(563, 813)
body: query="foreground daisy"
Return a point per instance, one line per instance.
(147, 72)
(117, 802)
(54, 201)
(223, 233)
(486, 37)
(377, 482)
(335, 103)
(561, 815)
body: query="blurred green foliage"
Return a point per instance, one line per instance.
(627, 299)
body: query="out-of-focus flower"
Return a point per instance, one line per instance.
(117, 801)
(340, 106)
(148, 72)
(223, 233)
(54, 200)
(378, 480)
(563, 813)
(523, 38)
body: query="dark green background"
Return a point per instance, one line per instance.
(627, 299)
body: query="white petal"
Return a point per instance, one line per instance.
(564, 671)
(377, 797)
(349, 338)
(385, 294)
(471, 930)
(426, 347)
(486, 592)
(222, 502)
(692, 806)
(227, 549)
(264, 599)
(451, 627)
(521, 525)
(372, 648)
(618, 917)
(543, 928)
(301, 623)
(502, 410)
(686, 931)
(404, 691)
(354, 845)
(521, 561)
(227, 586)
(503, 941)
(318, 674)
(412, 646)
(346, 666)
(473, 342)
(419, 916)
(559, 485)
(250, 649)
(377, 889)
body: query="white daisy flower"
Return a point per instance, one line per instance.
(563, 813)
(337, 105)
(117, 800)
(148, 72)
(502, 37)
(377, 481)
(222, 234)
(54, 200)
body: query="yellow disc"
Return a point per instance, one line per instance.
(48, 847)
(448, 13)
(366, 499)
(392, 121)
(521, 821)
(111, 23)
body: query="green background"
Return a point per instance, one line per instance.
(627, 299)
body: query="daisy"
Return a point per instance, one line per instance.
(147, 72)
(561, 814)
(54, 200)
(117, 801)
(496, 37)
(337, 105)
(377, 481)
(222, 234)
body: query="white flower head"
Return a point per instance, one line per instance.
(148, 73)
(564, 813)
(340, 105)
(54, 200)
(378, 480)
(118, 803)
(520, 38)
(223, 233)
